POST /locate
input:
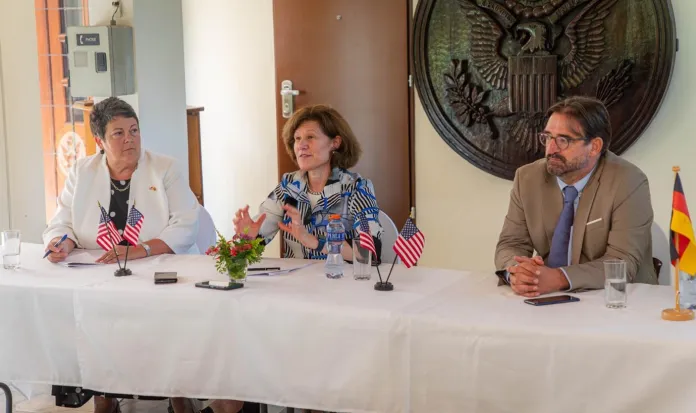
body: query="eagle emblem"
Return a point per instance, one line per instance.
(523, 47)
(487, 71)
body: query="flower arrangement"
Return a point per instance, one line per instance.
(232, 257)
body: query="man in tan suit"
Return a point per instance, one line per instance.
(579, 206)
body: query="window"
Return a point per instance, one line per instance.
(66, 137)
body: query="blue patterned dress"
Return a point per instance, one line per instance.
(346, 193)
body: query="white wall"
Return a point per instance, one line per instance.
(230, 70)
(20, 97)
(159, 56)
(100, 12)
(4, 190)
(160, 100)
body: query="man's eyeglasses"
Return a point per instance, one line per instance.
(561, 141)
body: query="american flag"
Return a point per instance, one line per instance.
(365, 236)
(107, 232)
(133, 225)
(409, 244)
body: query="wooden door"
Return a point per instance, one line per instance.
(193, 123)
(354, 56)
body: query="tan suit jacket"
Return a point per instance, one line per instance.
(613, 220)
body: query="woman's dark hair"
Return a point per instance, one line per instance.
(590, 113)
(106, 110)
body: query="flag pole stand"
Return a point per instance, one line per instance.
(122, 272)
(385, 285)
(677, 313)
(125, 271)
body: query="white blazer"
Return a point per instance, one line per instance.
(159, 190)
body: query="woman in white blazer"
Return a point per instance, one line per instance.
(120, 176)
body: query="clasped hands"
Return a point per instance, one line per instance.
(531, 278)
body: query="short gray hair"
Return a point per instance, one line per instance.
(105, 111)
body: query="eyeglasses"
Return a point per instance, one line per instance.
(561, 141)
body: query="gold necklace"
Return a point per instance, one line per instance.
(119, 189)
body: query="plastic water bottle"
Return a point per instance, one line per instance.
(335, 235)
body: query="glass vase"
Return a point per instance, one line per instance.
(237, 272)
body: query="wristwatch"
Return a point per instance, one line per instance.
(147, 249)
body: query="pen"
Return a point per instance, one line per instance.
(264, 269)
(56, 245)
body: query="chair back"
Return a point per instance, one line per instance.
(660, 246)
(389, 236)
(206, 230)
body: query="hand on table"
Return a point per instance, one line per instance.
(133, 254)
(60, 252)
(531, 278)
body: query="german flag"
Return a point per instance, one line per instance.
(682, 231)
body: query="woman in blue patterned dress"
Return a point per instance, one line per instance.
(322, 144)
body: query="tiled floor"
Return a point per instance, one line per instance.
(47, 404)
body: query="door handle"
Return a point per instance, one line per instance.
(288, 97)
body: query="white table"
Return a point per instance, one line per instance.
(442, 341)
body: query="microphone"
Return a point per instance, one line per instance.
(290, 201)
(293, 203)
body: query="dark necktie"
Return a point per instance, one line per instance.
(558, 257)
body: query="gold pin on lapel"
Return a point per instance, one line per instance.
(152, 188)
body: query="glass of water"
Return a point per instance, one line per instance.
(615, 283)
(10, 249)
(362, 262)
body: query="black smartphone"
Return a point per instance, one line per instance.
(165, 277)
(556, 299)
(219, 285)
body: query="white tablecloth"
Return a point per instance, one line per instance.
(442, 341)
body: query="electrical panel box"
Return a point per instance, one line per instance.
(101, 60)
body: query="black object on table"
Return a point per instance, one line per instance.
(8, 397)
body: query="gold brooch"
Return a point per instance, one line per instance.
(152, 188)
